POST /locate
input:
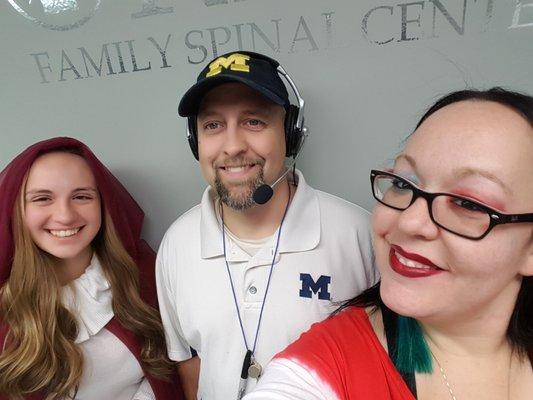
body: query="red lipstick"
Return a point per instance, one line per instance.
(411, 272)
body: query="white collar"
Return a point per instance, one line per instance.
(301, 229)
(89, 298)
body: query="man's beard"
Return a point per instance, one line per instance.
(242, 200)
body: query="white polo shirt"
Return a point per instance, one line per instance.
(324, 257)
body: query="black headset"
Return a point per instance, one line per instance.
(295, 131)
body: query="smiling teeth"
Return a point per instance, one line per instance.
(234, 169)
(65, 233)
(411, 263)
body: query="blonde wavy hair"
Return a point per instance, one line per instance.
(39, 353)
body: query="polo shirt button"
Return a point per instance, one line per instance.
(252, 290)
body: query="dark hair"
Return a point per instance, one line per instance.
(519, 102)
(520, 329)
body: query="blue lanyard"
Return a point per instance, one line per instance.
(252, 351)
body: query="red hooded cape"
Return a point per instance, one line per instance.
(127, 218)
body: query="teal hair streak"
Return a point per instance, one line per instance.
(413, 353)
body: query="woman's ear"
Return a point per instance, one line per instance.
(527, 268)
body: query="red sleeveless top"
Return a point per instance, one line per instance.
(347, 356)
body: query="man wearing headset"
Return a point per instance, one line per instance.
(263, 255)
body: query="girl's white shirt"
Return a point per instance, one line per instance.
(110, 370)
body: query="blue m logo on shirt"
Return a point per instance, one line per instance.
(320, 287)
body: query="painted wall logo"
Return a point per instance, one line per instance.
(383, 25)
(58, 15)
(209, 3)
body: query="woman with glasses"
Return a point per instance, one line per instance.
(452, 318)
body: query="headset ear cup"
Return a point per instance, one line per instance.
(192, 135)
(293, 135)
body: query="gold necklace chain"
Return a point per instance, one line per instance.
(444, 377)
(449, 387)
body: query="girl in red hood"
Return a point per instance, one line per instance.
(78, 316)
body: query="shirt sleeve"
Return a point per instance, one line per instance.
(366, 249)
(286, 379)
(178, 348)
(144, 392)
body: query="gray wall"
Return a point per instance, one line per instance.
(367, 70)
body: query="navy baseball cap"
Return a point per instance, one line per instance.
(254, 70)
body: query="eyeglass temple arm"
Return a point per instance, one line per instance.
(512, 218)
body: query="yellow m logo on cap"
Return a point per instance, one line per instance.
(235, 62)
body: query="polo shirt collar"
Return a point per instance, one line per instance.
(301, 228)
(300, 232)
(210, 226)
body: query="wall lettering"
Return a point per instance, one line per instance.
(428, 19)
(150, 8)
(520, 6)
(387, 23)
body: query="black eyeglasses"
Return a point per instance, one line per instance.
(456, 214)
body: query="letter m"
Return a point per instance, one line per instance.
(104, 54)
(320, 287)
(235, 62)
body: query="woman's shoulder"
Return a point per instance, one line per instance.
(339, 335)
(338, 358)
(349, 318)
(353, 317)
